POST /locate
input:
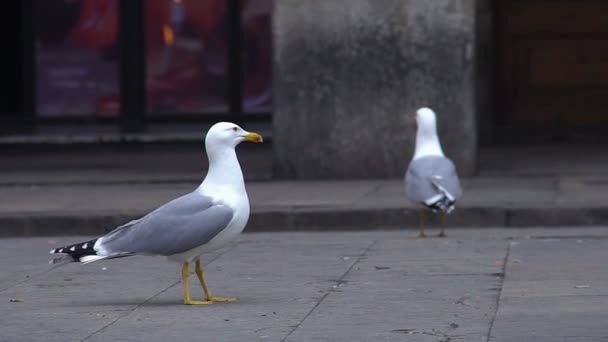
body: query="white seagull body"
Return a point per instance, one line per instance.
(431, 178)
(185, 228)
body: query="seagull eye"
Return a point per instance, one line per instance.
(234, 129)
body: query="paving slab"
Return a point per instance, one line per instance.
(556, 289)
(444, 290)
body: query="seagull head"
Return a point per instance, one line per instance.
(227, 134)
(426, 121)
(427, 141)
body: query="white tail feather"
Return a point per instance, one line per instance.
(90, 258)
(444, 191)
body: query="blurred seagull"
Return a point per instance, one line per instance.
(431, 178)
(183, 229)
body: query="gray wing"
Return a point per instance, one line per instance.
(432, 177)
(180, 225)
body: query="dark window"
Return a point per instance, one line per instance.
(133, 64)
(12, 76)
(256, 55)
(186, 56)
(77, 58)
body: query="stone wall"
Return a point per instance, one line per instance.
(349, 75)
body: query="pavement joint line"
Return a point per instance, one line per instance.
(373, 190)
(129, 311)
(505, 261)
(27, 279)
(340, 280)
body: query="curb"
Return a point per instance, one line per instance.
(333, 219)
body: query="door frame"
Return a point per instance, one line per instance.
(496, 130)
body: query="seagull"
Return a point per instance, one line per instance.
(431, 178)
(188, 226)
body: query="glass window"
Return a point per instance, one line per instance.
(12, 68)
(77, 58)
(256, 55)
(186, 56)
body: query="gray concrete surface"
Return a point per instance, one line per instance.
(340, 286)
(72, 192)
(555, 290)
(95, 207)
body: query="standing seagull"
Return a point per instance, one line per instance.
(188, 226)
(431, 178)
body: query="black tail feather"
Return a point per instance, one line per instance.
(77, 250)
(442, 205)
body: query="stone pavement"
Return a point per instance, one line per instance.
(476, 285)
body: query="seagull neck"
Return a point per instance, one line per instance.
(427, 144)
(224, 170)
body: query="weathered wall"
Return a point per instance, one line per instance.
(349, 75)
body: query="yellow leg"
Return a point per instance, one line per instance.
(421, 219)
(199, 272)
(187, 300)
(444, 218)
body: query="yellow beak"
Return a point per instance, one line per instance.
(253, 137)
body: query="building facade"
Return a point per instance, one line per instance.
(337, 80)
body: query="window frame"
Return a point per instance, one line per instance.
(133, 116)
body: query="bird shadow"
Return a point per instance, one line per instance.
(131, 304)
(127, 304)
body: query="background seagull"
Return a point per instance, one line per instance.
(431, 178)
(183, 229)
